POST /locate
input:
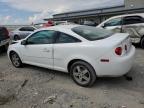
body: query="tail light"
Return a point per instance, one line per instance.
(118, 51)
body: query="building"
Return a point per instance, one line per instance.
(134, 4)
(99, 15)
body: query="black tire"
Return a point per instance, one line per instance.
(16, 37)
(6, 47)
(86, 70)
(142, 43)
(2, 48)
(15, 59)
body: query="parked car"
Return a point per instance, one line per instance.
(90, 23)
(130, 23)
(83, 51)
(63, 23)
(4, 38)
(48, 24)
(22, 32)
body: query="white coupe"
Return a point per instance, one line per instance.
(84, 52)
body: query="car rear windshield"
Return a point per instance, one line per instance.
(92, 33)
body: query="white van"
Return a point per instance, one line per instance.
(130, 23)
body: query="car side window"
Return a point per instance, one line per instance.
(22, 29)
(114, 22)
(27, 29)
(65, 38)
(133, 20)
(42, 37)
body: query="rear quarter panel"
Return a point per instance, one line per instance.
(89, 52)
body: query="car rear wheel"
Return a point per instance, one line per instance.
(16, 37)
(142, 43)
(16, 61)
(83, 73)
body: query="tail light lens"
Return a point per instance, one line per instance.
(118, 51)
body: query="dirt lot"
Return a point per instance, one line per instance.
(33, 87)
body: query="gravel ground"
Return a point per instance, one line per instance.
(34, 87)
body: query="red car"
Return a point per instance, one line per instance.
(48, 24)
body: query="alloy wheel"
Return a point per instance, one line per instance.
(15, 60)
(81, 74)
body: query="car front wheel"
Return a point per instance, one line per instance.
(16, 37)
(83, 73)
(16, 61)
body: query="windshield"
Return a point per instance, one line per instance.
(92, 33)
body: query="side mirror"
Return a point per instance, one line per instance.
(104, 25)
(24, 42)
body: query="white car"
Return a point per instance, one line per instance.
(22, 32)
(85, 52)
(129, 23)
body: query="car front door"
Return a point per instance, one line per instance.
(22, 32)
(114, 24)
(39, 49)
(25, 31)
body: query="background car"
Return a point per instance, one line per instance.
(63, 23)
(48, 24)
(22, 32)
(83, 51)
(4, 38)
(90, 23)
(130, 23)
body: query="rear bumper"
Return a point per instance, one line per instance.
(117, 66)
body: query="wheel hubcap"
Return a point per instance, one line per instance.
(16, 38)
(81, 74)
(15, 60)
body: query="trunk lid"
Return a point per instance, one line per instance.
(121, 40)
(116, 40)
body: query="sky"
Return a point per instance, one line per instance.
(34, 11)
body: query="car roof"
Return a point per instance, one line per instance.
(27, 26)
(64, 29)
(137, 14)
